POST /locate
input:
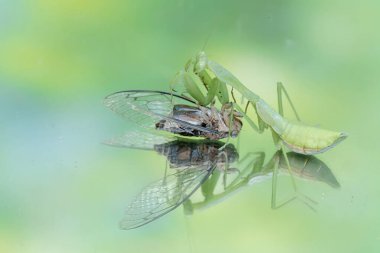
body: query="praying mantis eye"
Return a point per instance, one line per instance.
(201, 62)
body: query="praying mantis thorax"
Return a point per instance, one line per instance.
(271, 117)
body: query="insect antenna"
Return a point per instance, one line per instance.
(207, 40)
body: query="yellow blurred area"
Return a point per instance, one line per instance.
(31, 62)
(92, 10)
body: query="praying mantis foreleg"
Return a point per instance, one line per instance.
(195, 75)
(193, 82)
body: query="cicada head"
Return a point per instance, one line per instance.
(237, 124)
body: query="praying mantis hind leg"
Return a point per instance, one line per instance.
(289, 167)
(274, 183)
(281, 89)
(282, 152)
(305, 199)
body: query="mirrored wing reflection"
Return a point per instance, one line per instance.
(139, 140)
(191, 163)
(164, 196)
(147, 108)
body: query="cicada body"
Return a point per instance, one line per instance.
(175, 114)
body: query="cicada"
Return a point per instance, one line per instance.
(175, 114)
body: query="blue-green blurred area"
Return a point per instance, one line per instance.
(61, 190)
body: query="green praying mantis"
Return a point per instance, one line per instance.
(197, 116)
(201, 73)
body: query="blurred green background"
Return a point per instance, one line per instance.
(62, 191)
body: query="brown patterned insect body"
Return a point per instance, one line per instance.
(209, 118)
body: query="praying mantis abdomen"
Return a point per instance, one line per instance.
(298, 137)
(310, 140)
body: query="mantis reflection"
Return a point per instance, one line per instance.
(253, 171)
(200, 166)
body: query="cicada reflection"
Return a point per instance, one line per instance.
(190, 165)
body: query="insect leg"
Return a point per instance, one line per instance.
(252, 160)
(252, 169)
(274, 201)
(305, 199)
(222, 92)
(274, 184)
(289, 167)
(233, 95)
(225, 169)
(227, 77)
(248, 119)
(174, 83)
(165, 172)
(230, 122)
(253, 163)
(257, 163)
(246, 107)
(280, 89)
(208, 187)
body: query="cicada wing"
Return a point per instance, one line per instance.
(139, 107)
(139, 140)
(178, 84)
(163, 196)
(146, 108)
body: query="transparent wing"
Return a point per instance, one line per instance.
(146, 108)
(139, 140)
(163, 196)
(178, 85)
